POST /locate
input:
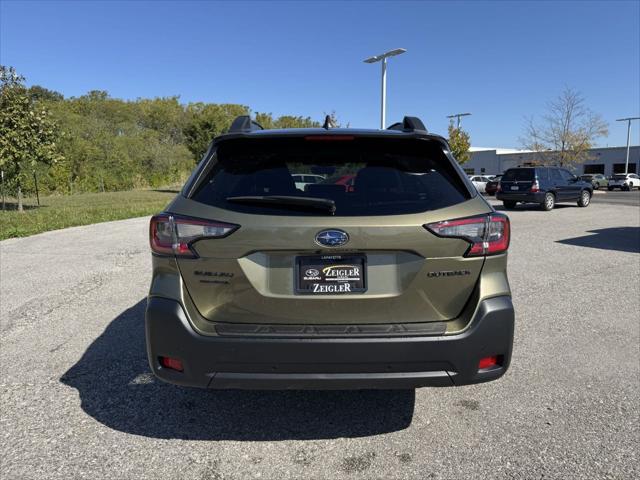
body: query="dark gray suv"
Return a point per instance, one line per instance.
(545, 186)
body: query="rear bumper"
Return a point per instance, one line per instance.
(527, 197)
(328, 363)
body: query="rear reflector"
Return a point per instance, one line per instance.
(489, 362)
(171, 363)
(487, 234)
(173, 235)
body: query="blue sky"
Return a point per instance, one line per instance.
(499, 60)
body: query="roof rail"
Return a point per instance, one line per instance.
(408, 124)
(243, 123)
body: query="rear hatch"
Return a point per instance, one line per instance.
(618, 180)
(331, 253)
(518, 180)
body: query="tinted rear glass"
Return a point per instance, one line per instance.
(363, 176)
(518, 174)
(619, 177)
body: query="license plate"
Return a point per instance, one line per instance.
(331, 274)
(515, 188)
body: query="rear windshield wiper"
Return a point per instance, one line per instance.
(283, 200)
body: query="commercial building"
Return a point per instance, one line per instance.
(606, 160)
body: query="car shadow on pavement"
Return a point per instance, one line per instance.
(623, 239)
(117, 388)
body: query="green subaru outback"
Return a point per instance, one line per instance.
(399, 281)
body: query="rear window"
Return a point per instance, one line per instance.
(363, 176)
(619, 177)
(518, 174)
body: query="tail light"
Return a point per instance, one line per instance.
(535, 186)
(173, 235)
(498, 187)
(487, 234)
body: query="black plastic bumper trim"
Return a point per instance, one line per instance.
(391, 329)
(328, 363)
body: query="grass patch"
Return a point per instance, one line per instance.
(57, 212)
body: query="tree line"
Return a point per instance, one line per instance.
(96, 143)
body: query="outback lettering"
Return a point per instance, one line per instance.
(449, 273)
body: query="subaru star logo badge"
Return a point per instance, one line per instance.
(332, 238)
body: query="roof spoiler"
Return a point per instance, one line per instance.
(243, 123)
(408, 124)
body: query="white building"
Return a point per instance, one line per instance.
(606, 160)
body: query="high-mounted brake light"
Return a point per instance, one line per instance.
(487, 234)
(173, 235)
(329, 138)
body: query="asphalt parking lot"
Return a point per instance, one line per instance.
(77, 399)
(617, 197)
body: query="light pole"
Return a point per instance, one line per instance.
(383, 57)
(458, 115)
(628, 120)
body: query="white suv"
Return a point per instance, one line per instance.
(480, 182)
(624, 181)
(302, 180)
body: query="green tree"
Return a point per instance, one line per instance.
(38, 93)
(206, 121)
(460, 142)
(27, 133)
(291, 121)
(267, 121)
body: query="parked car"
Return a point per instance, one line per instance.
(303, 179)
(400, 283)
(492, 186)
(624, 181)
(596, 179)
(345, 180)
(480, 182)
(543, 185)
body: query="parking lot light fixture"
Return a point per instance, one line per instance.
(458, 115)
(628, 120)
(383, 58)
